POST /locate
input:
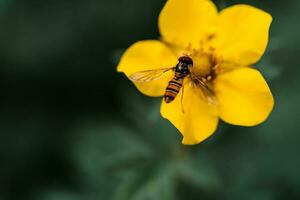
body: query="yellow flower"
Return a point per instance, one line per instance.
(223, 47)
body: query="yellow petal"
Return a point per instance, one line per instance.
(242, 34)
(184, 22)
(198, 121)
(244, 97)
(148, 55)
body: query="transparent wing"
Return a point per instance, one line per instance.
(149, 75)
(207, 94)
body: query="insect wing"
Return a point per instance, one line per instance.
(148, 75)
(207, 93)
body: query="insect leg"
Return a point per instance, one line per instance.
(182, 91)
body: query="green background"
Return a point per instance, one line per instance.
(73, 128)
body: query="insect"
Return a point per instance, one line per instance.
(182, 70)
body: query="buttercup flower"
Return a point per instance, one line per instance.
(223, 48)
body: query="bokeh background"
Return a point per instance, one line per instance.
(72, 128)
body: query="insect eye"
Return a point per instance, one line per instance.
(186, 65)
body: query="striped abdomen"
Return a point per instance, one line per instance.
(173, 88)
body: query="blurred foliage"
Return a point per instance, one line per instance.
(71, 128)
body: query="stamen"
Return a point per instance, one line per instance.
(211, 49)
(211, 36)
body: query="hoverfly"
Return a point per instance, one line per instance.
(182, 70)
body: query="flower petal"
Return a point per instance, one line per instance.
(244, 97)
(198, 121)
(242, 34)
(184, 22)
(148, 55)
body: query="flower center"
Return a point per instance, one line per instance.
(204, 64)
